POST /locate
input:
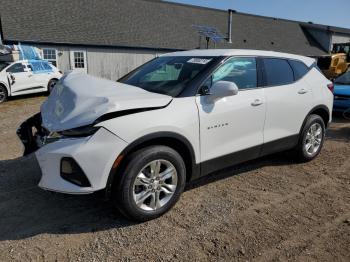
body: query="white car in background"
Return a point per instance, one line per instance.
(27, 77)
(174, 119)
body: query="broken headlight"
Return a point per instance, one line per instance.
(79, 131)
(83, 131)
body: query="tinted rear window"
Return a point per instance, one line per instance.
(277, 72)
(299, 68)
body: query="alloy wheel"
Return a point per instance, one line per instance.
(155, 185)
(313, 139)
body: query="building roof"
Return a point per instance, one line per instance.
(145, 24)
(333, 29)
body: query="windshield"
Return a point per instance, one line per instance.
(344, 79)
(3, 65)
(167, 75)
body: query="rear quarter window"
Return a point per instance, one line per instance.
(299, 68)
(277, 72)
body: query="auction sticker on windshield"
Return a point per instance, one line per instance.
(201, 61)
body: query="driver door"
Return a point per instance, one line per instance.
(231, 128)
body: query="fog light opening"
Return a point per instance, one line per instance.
(72, 172)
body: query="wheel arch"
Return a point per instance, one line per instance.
(320, 110)
(53, 78)
(173, 140)
(7, 88)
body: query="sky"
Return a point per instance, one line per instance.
(327, 12)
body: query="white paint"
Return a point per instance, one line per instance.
(24, 81)
(213, 127)
(79, 99)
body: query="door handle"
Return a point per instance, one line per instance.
(257, 102)
(302, 91)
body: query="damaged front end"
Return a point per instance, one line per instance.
(33, 135)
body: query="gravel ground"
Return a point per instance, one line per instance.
(270, 209)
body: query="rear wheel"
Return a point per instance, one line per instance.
(3, 94)
(311, 138)
(151, 183)
(52, 83)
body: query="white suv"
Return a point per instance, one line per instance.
(174, 119)
(26, 77)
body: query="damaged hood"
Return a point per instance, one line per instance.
(79, 99)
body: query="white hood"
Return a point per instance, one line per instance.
(79, 99)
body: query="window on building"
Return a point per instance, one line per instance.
(79, 61)
(277, 72)
(299, 68)
(239, 70)
(50, 55)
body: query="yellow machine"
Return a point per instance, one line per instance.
(337, 63)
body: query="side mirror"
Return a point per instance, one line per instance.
(223, 88)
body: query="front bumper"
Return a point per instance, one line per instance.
(95, 155)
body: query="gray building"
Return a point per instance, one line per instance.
(109, 38)
(326, 36)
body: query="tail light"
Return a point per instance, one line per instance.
(331, 87)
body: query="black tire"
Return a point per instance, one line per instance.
(301, 149)
(123, 191)
(3, 94)
(51, 85)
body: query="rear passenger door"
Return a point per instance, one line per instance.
(288, 99)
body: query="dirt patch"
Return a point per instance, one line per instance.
(267, 209)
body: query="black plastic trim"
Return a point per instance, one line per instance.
(113, 115)
(314, 109)
(231, 159)
(27, 89)
(255, 152)
(279, 145)
(77, 178)
(195, 172)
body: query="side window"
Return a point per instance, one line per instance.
(239, 70)
(277, 72)
(299, 68)
(16, 68)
